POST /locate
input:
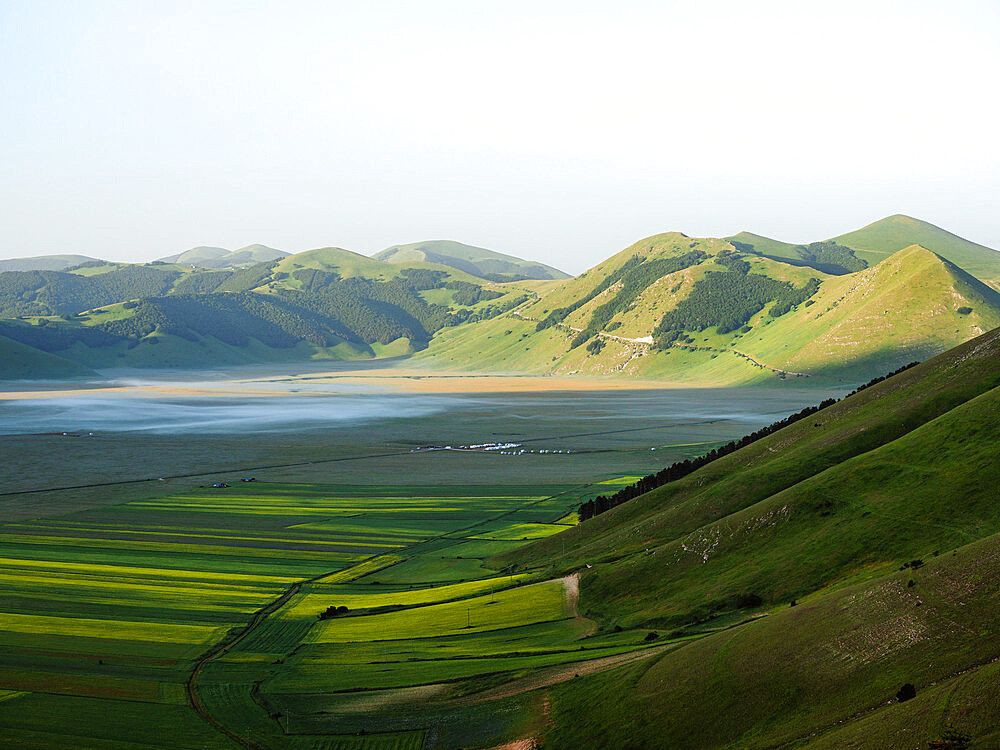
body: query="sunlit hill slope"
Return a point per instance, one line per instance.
(836, 560)
(692, 309)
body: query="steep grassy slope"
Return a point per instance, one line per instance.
(693, 310)
(475, 260)
(825, 512)
(44, 263)
(911, 306)
(884, 237)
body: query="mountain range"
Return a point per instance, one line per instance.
(684, 309)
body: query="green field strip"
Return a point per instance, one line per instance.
(320, 596)
(206, 549)
(520, 532)
(128, 571)
(361, 569)
(555, 635)
(104, 724)
(620, 480)
(481, 548)
(216, 566)
(100, 646)
(92, 685)
(428, 569)
(8, 695)
(141, 631)
(99, 533)
(306, 677)
(519, 606)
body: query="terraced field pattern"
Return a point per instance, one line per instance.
(194, 620)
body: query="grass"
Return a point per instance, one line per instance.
(539, 602)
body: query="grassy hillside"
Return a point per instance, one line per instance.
(44, 263)
(755, 243)
(886, 236)
(830, 513)
(693, 310)
(218, 257)
(19, 361)
(477, 261)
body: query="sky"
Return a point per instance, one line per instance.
(557, 131)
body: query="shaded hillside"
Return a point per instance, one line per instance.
(877, 515)
(688, 309)
(828, 257)
(477, 261)
(44, 263)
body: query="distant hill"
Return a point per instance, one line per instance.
(886, 236)
(219, 257)
(882, 238)
(326, 303)
(44, 263)
(827, 565)
(694, 310)
(477, 261)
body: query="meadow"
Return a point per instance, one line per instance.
(139, 612)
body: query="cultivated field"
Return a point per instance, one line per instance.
(193, 620)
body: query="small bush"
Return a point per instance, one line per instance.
(906, 692)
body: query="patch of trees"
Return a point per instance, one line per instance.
(964, 310)
(57, 292)
(727, 300)
(793, 297)
(422, 279)
(488, 312)
(500, 278)
(203, 282)
(231, 318)
(50, 337)
(468, 294)
(681, 469)
(333, 611)
(248, 278)
(634, 281)
(832, 258)
(558, 315)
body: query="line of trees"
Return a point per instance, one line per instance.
(681, 469)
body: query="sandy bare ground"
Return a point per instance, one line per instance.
(386, 380)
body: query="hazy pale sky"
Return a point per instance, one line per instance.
(558, 131)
